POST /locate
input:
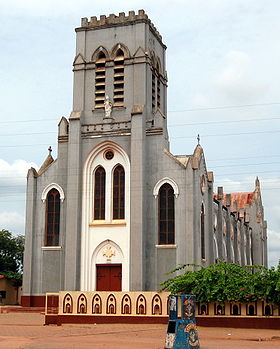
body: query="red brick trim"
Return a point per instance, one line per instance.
(95, 319)
(239, 322)
(33, 301)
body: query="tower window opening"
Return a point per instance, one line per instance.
(158, 89)
(100, 80)
(119, 79)
(202, 231)
(153, 91)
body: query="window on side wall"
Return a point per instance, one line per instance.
(52, 218)
(166, 215)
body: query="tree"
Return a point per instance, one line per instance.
(227, 282)
(11, 256)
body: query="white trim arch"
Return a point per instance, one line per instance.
(52, 186)
(116, 256)
(95, 232)
(116, 259)
(163, 181)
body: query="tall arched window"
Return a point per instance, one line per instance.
(100, 77)
(119, 79)
(99, 193)
(52, 218)
(118, 192)
(166, 215)
(202, 231)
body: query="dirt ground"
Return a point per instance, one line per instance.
(26, 331)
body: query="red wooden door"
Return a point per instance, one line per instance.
(109, 277)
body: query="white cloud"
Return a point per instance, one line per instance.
(238, 81)
(12, 198)
(12, 221)
(273, 247)
(14, 174)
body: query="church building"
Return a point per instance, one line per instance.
(116, 210)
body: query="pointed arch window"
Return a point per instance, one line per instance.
(52, 218)
(202, 231)
(100, 80)
(99, 193)
(118, 192)
(119, 79)
(166, 215)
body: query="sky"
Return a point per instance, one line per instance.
(223, 84)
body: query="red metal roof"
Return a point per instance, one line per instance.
(242, 199)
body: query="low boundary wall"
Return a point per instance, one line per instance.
(102, 307)
(152, 307)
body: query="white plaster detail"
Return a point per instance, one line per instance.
(215, 247)
(163, 181)
(225, 249)
(52, 186)
(108, 107)
(108, 252)
(96, 235)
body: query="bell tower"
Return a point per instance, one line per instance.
(119, 102)
(119, 64)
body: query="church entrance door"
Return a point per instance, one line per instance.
(109, 277)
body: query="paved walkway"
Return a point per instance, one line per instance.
(26, 331)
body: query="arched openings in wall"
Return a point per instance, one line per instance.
(202, 231)
(251, 247)
(166, 215)
(158, 87)
(153, 91)
(100, 79)
(224, 238)
(107, 177)
(52, 218)
(238, 244)
(118, 192)
(215, 245)
(224, 250)
(119, 78)
(96, 304)
(99, 193)
(68, 304)
(156, 83)
(216, 253)
(82, 304)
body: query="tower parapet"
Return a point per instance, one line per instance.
(113, 20)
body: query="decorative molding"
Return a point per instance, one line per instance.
(51, 248)
(109, 252)
(169, 181)
(52, 186)
(101, 223)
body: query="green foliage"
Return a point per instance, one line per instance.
(11, 256)
(227, 282)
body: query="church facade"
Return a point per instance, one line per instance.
(116, 210)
